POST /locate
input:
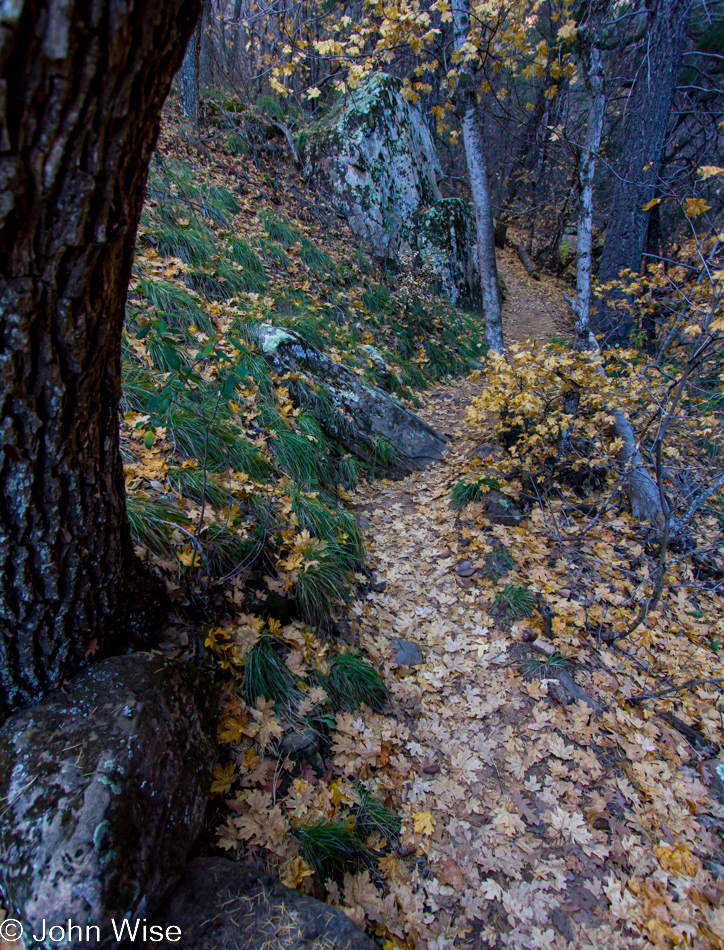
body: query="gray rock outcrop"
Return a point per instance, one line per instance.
(363, 412)
(104, 787)
(375, 155)
(223, 905)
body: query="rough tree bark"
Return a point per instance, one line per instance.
(642, 140)
(479, 184)
(82, 88)
(190, 71)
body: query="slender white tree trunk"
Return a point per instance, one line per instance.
(582, 307)
(479, 186)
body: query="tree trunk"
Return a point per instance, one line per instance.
(642, 140)
(596, 112)
(82, 88)
(190, 70)
(479, 185)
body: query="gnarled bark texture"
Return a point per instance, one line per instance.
(642, 141)
(82, 83)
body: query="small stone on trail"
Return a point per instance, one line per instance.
(407, 653)
(465, 569)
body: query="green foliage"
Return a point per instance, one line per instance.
(373, 818)
(273, 253)
(470, 491)
(465, 492)
(330, 848)
(224, 549)
(516, 600)
(353, 681)
(140, 383)
(497, 564)
(266, 674)
(177, 306)
(280, 230)
(323, 581)
(268, 105)
(297, 456)
(192, 247)
(152, 520)
(236, 144)
(193, 483)
(316, 260)
(242, 253)
(333, 524)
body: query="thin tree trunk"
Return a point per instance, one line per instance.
(479, 185)
(596, 112)
(83, 85)
(642, 140)
(190, 71)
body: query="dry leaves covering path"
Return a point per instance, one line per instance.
(529, 821)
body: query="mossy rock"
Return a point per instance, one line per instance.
(105, 784)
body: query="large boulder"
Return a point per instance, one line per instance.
(376, 157)
(222, 905)
(446, 243)
(363, 412)
(104, 787)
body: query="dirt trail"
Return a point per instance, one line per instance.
(480, 757)
(533, 309)
(526, 830)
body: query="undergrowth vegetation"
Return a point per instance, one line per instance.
(237, 480)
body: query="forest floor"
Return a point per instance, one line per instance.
(519, 804)
(534, 821)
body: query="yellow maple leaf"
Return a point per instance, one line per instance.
(424, 822)
(568, 31)
(295, 872)
(708, 171)
(695, 206)
(223, 779)
(189, 556)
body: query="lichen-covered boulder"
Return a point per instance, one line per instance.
(445, 239)
(377, 157)
(363, 412)
(222, 905)
(104, 786)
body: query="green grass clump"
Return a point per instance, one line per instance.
(373, 818)
(323, 582)
(316, 260)
(243, 254)
(335, 525)
(516, 600)
(152, 520)
(297, 456)
(353, 681)
(178, 308)
(470, 490)
(465, 492)
(497, 564)
(192, 247)
(266, 674)
(140, 384)
(224, 549)
(280, 230)
(193, 484)
(272, 253)
(330, 849)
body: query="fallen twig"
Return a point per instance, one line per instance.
(673, 689)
